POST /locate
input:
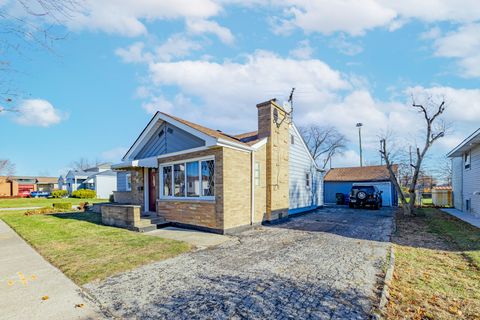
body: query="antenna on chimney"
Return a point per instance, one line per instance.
(290, 100)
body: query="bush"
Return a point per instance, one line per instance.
(63, 205)
(46, 210)
(84, 194)
(59, 193)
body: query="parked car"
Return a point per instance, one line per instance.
(39, 194)
(363, 196)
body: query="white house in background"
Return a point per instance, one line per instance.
(99, 178)
(466, 174)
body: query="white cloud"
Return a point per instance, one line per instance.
(302, 51)
(127, 17)
(349, 16)
(38, 112)
(356, 17)
(114, 154)
(464, 45)
(346, 47)
(177, 46)
(201, 26)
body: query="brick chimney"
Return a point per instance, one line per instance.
(274, 123)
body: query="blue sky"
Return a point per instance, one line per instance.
(211, 61)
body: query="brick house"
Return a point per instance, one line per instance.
(193, 176)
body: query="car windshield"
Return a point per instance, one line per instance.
(363, 188)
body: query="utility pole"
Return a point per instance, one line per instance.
(359, 126)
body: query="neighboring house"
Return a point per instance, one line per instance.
(99, 178)
(341, 180)
(466, 174)
(194, 176)
(22, 185)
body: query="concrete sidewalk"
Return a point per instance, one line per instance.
(31, 288)
(470, 218)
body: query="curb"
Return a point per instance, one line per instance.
(385, 295)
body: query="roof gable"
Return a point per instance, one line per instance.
(465, 145)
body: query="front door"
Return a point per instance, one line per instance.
(152, 190)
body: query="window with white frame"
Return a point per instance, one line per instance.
(189, 179)
(307, 180)
(128, 182)
(467, 160)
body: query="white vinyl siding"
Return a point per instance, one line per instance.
(301, 165)
(457, 182)
(471, 181)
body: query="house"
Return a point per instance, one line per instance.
(194, 176)
(466, 174)
(99, 178)
(341, 180)
(15, 186)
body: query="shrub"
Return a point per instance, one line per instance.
(82, 206)
(84, 194)
(63, 205)
(59, 193)
(46, 210)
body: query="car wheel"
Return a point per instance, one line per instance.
(351, 205)
(376, 206)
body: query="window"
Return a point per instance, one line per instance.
(208, 182)
(179, 180)
(292, 139)
(467, 160)
(468, 205)
(256, 173)
(307, 180)
(190, 179)
(193, 179)
(167, 181)
(128, 178)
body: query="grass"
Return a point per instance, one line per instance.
(84, 249)
(437, 268)
(42, 202)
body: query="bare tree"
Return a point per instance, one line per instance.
(84, 163)
(323, 142)
(27, 25)
(435, 129)
(7, 168)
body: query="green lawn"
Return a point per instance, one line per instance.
(42, 202)
(437, 268)
(84, 249)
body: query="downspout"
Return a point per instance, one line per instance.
(252, 196)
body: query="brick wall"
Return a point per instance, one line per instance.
(277, 196)
(261, 190)
(208, 214)
(237, 187)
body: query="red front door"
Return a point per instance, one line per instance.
(152, 190)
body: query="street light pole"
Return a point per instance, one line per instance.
(359, 126)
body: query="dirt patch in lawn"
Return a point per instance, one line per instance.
(435, 276)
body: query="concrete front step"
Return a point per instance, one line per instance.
(148, 228)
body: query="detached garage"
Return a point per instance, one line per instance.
(341, 180)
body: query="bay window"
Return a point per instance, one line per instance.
(189, 179)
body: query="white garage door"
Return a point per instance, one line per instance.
(386, 187)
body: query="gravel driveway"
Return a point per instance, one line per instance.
(325, 264)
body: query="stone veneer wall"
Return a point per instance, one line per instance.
(206, 214)
(277, 197)
(137, 187)
(123, 216)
